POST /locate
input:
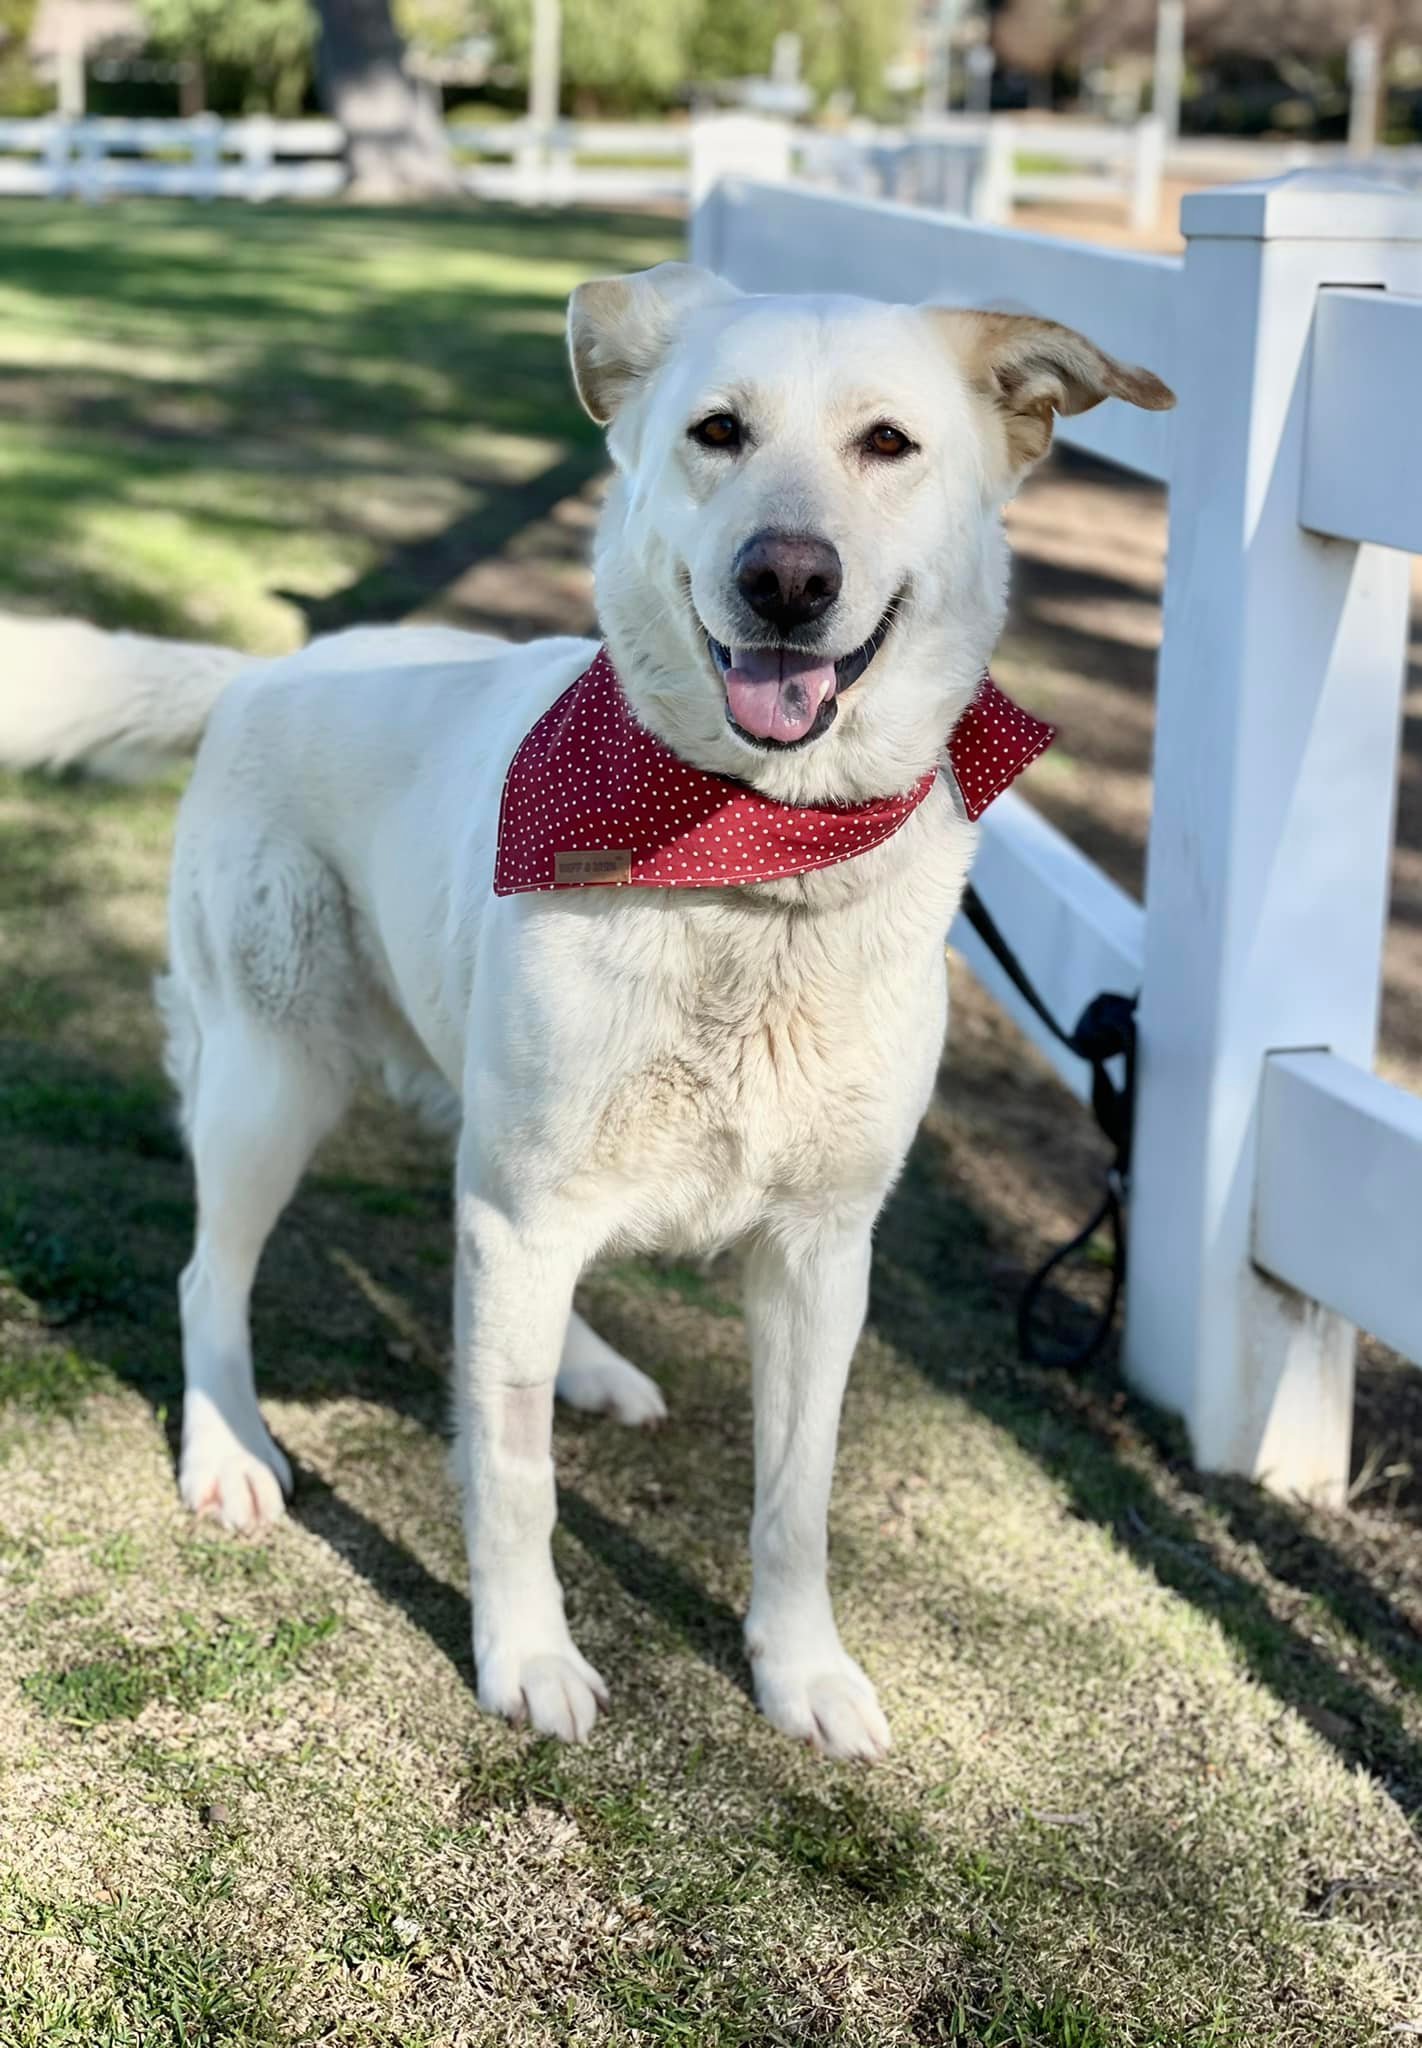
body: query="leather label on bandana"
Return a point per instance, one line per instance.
(580, 870)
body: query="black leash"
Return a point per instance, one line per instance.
(1105, 1030)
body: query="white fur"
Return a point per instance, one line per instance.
(639, 1070)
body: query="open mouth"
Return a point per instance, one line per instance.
(785, 697)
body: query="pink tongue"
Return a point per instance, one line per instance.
(776, 693)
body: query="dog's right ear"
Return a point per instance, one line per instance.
(619, 328)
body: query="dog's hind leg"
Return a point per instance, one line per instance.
(594, 1377)
(259, 1107)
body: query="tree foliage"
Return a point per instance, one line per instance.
(625, 52)
(844, 44)
(616, 54)
(646, 52)
(270, 41)
(21, 92)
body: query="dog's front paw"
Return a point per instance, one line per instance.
(235, 1474)
(553, 1690)
(827, 1702)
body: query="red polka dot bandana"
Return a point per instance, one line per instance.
(592, 799)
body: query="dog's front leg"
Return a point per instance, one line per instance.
(805, 1300)
(513, 1293)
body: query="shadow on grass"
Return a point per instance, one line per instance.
(94, 1225)
(333, 351)
(409, 576)
(1120, 1461)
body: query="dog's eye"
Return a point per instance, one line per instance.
(887, 441)
(718, 430)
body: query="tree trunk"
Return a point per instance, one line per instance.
(395, 136)
(192, 88)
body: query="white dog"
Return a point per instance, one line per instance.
(800, 576)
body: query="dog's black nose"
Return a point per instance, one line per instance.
(788, 578)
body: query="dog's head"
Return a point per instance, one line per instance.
(801, 571)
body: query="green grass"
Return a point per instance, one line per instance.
(201, 1663)
(142, 1984)
(49, 1381)
(1159, 1739)
(220, 420)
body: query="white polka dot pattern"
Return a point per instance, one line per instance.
(992, 743)
(588, 779)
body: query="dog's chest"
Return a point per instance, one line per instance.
(787, 1063)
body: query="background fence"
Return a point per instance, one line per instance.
(976, 165)
(1277, 1196)
(203, 158)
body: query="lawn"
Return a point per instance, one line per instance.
(242, 425)
(1159, 1739)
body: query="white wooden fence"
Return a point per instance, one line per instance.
(1277, 1193)
(603, 163)
(203, 158)
(977, 165)
(985, 165)
(1226, 159)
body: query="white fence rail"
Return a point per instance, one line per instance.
(203, 158)
(575, 163)
(979, 166)
(1081, 933)
(1277, 1196)
(1338, 1207)
(1363, 456)
(982, 166)
(985, 165)
(1225, 160)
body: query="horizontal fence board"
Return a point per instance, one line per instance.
(203, 158)
(1065, 188)
(793, 238)
(1363, 457)
(1065, 144)
(1073, 930)
(296, 138)
(569, 185)
(1338, 1206)
(585, 139)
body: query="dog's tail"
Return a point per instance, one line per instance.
(117, 704)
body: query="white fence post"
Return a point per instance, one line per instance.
(1147, 165)
(206, 133)
(258, 137)
(993, 187)
(58, 156)
(737, 145)
(530, 180)
(1275, 780)
(1169, 65)
(87, 175)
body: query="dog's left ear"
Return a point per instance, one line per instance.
(619, 328)
(1034, 369)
